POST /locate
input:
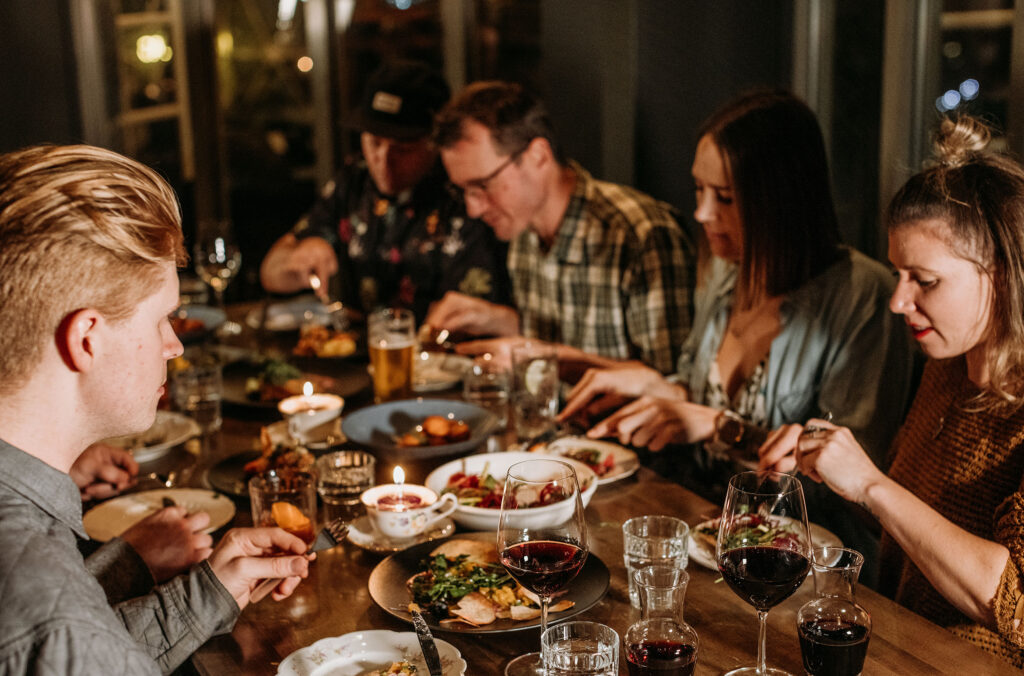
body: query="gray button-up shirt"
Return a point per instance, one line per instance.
(54, 615)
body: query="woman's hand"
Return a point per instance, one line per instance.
(655, 422)
(828, 453)
(600, 390)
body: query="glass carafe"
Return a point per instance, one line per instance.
(661, 643)
(834, 629)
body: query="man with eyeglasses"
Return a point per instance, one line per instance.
(600, 269)
(386, 224)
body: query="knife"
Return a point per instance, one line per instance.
(426, 640)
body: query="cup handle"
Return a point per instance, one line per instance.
(440, 510)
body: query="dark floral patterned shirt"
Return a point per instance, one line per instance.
(405, 250)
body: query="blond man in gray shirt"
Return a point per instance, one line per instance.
(89, 243)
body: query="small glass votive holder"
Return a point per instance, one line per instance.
(285, 498)
(648, 540)
(342, 477)
(579, 648)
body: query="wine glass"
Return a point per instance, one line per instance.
(763, 548)
(543, 552)
(217, 260)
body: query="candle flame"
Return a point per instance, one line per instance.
(398, 475)
(307, 389)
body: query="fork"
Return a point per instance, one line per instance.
(329, 536)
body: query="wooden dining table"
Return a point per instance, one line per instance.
(335, 598)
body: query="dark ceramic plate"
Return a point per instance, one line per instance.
(228, 476)
(388, 590)
(347, 385)
(377, 426)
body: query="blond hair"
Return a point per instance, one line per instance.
(979, 194)
(80, 227)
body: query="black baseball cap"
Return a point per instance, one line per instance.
(400, 101)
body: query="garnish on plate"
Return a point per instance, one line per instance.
(462, 582)
(279, 379)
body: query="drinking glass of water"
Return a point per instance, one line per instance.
(196, 391)
(580, 648)
(486, 385)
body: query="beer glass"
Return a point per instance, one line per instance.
(392, 341)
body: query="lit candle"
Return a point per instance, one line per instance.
(395, 497)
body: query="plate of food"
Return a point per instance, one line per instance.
(168, 430)
(289, 315)
(376, 652)
(478, 481)
(194, 322)
(258, 385)
(322, 342)
(231, 475)
(462, 588)
(704, 536)
(420, 428)
(109, 519)
(610, 462)
(434, 371)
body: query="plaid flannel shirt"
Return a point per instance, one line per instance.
(617, 281)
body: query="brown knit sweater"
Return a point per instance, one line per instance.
(969, 467)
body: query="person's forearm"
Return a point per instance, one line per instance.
(964, 568)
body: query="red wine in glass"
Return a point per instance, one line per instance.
(542, 548)
(661, 658)
(833, 647)
(545, 567)
(763, 576)
(763, 547)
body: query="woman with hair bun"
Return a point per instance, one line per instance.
(952, 503)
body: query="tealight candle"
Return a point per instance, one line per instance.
(308, 414)
(401, 510)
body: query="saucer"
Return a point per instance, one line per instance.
(362, 534)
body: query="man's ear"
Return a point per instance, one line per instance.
(539, 152)
(76, 339)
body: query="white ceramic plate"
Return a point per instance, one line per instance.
(361, 652)
(705, 556)
(626, 461)
(433, 371)
(113, 517)
(288, 316)
(168, 430)
(497, 464)
(362, 534)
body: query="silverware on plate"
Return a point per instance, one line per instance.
(329, 536)
(426, 640)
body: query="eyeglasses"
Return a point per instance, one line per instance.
(479, 188)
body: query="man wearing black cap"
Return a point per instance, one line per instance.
(386, 224)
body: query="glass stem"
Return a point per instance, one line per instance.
(545, 601)
(762, 632)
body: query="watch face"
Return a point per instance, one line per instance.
(730, 429)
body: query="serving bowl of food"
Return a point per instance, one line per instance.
(478, 480)
(420, 428)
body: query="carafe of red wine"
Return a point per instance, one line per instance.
(834, 629)
(661, 642)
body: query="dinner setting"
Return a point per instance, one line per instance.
(511, 338)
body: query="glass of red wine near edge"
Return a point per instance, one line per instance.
(764, 547)
(543, 552)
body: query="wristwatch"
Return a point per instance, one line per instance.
(730, 428)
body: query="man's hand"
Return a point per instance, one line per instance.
(247, 556)
(289, 263)
(170, 541)
(458, 312)
(601, 390)
(102, 471)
